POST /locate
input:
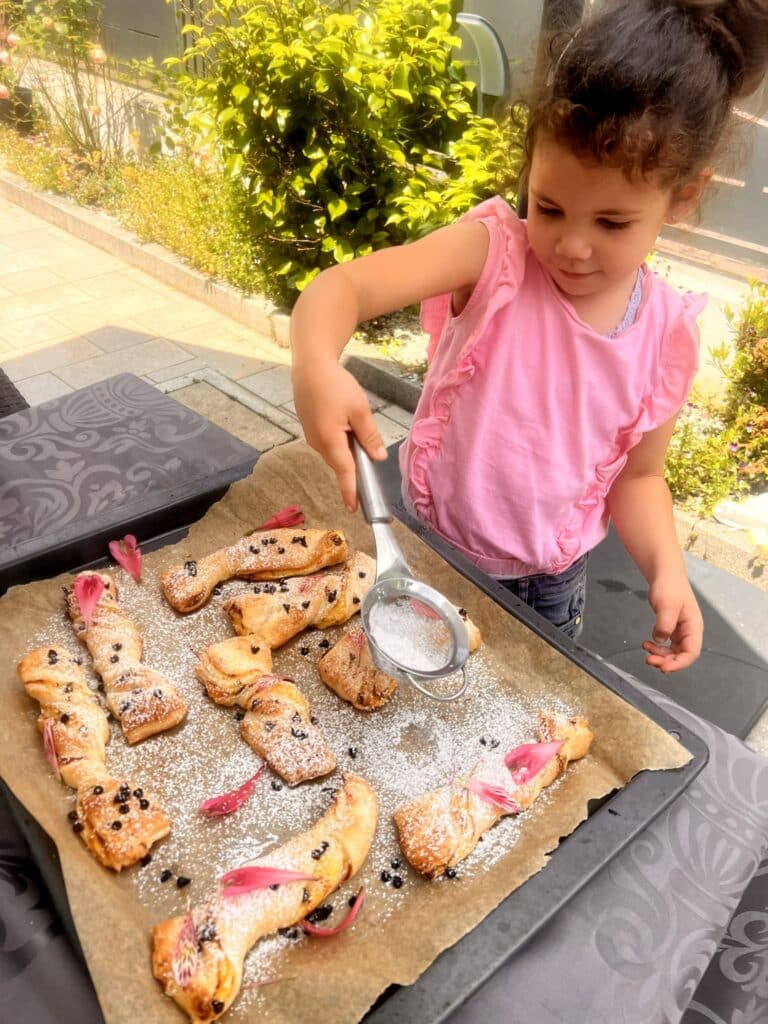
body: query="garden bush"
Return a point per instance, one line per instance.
(348, 127)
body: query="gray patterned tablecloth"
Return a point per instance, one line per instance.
(674, 929)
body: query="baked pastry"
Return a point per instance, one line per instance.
(280, 727)
(216, 935)
(117, 819)
(440, 828)
(322, 601)
(349, 670)
(269, 556)
(231, 669)
(143, 701)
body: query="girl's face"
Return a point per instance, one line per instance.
(587, 224)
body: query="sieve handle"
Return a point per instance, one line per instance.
(375, 506)
(413, 679)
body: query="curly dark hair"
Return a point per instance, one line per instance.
(648, 85)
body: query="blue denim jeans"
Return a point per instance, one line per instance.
(559, 598)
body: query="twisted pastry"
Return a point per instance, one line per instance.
(278, 723)
(349, 670)
(284, 552)
(440, 828)
(223, 929)
(322, 601)
(142, 700)
(116, 819)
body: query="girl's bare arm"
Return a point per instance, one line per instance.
(329, 401)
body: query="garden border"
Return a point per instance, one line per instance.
(704, 538)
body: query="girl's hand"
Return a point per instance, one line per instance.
(330, 403)
(679, 628)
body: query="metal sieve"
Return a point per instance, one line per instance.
(415, 634)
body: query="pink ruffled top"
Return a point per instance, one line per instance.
(527, 413)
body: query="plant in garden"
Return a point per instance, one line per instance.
(328, 114)
(72, 77)
(11, 61)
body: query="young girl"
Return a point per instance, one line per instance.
(557, 361)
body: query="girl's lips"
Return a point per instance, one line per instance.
(574, 275)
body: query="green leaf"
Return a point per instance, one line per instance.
(240, 92)
(337, 208)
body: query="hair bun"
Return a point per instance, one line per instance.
(738, 33)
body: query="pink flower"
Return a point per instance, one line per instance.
(126, 554)
(527, 760)
(291, 515)
(4, 92)
(185, 953)
(248, 879)
(88, 591)
(219, 806)
(493, 795)
(49, 747)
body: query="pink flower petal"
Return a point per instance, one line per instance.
(185, 954)
(248, 879)
(423, 609)
(218, 806)
(528, 759)
(291, 515)
(326, 933)
(272, 980)
(127, 555)
(49, 747)
(88, 591)
(493, 795)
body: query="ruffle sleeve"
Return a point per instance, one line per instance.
(502, 272)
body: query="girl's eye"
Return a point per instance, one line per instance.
(548, 211)
(614, 225)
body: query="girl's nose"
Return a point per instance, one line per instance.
(573, 246)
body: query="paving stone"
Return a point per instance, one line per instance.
(141, 359)
(43, 388)
(183, 313)
(390, 430)
(177, 370)
(228, 348)
(50, 356)
(38, 303)
(232, 416)
(273, 385)
(114, 337)
(401, 416)
(21, 282)
(24, 334)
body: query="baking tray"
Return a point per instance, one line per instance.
(612, 822)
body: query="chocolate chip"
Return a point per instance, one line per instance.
(355, 600)
(299, 540)
(352, 900)
(64, 718)
(324, 643)
(317, 854)
(124, 808)
(217, 590)
(116, 826)
(281, 551)
(257, 590)
(269, 726)
(320, 913)
(463, 612)
(98, 790)
(115, 658)
(296, 717)
(52, 657)
(117, 647)
(362, 575)
(144, 804)
(207, 933)
(254, 551)
(332, 595)
(146, 859)
(299, 734)
(352, 751)
(451, 873)
(255, 649)
(158, 693)
(337, 540)
(277, 785)
(395, 864)
(123, 707)
(274, 887)
(72, 815)
(181, 881)
(385, 876)
(216, 1005)
(191, 568)
(286, 607)
(78, 826)
(304, 650)
(305, 896)
(305, 604)
(165, 875)
(397, 881)
(313, 720)
(493, 744)
(265, 541)
(78, 661)
(483, 741)
(68, 688)
(239, 716)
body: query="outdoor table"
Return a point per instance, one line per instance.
(672, 927)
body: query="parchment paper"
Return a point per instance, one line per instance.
(407, 747)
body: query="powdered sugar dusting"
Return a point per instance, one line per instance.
(409, 746)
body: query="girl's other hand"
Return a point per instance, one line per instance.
(330, 403)
(679, 628)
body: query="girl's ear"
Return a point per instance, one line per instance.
(687, 197)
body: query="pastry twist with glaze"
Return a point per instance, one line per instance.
(142, 700)
(223, 928)
(439, 829)
(117, 820)
(272, 555)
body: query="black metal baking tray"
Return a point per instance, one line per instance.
(612, 823)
